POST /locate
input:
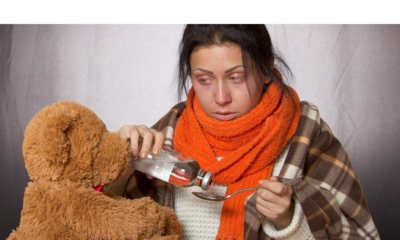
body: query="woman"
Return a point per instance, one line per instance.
(244, 124)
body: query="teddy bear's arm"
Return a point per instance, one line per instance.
(96, 215)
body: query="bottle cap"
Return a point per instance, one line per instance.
(204, 179)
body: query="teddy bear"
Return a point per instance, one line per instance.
(70, 155)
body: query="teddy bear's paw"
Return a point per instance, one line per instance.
(161, 220)
(172, 225)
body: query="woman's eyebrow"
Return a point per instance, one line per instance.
(231, 69)
(203, 70)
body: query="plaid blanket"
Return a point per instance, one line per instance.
(330, 193)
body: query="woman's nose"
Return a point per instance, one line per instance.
(222, 94)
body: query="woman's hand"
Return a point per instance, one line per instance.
(275, 202)
(149, 136)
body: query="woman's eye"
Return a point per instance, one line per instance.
(204, 80)
(237, 79)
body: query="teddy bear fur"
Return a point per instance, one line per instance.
(68, 151)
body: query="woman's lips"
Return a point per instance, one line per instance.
(225, 116)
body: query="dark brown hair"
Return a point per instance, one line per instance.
(253, 39)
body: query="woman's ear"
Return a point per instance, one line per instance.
(271, 63)
(267, 79)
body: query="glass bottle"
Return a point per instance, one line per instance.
(173, 167)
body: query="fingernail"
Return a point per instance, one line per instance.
(143, 154)
(155, 150)
(261, 182)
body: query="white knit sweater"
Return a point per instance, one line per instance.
(200, 219)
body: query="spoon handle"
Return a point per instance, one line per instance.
(243, 190)
(255, 188)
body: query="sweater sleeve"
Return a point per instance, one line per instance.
(298, 228)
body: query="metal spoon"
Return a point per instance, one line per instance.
(216, 198)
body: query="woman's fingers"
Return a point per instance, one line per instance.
(274, 201)
(267, 209)
(147, 141)
(274, 185)
(271, 205)
(148, 138)
(134, 138)
(159, 139)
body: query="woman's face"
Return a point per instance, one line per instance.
(218, 80)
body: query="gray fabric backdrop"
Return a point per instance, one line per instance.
(125, 74)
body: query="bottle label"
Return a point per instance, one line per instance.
(157, 169)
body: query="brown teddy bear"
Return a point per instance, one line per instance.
(68, 152)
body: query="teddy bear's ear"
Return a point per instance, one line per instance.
(53, 141)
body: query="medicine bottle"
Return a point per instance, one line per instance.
(173, 167)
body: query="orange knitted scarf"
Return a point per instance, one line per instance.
(249, 146)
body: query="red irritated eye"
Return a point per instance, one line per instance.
(203, 79)
(237, 77)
